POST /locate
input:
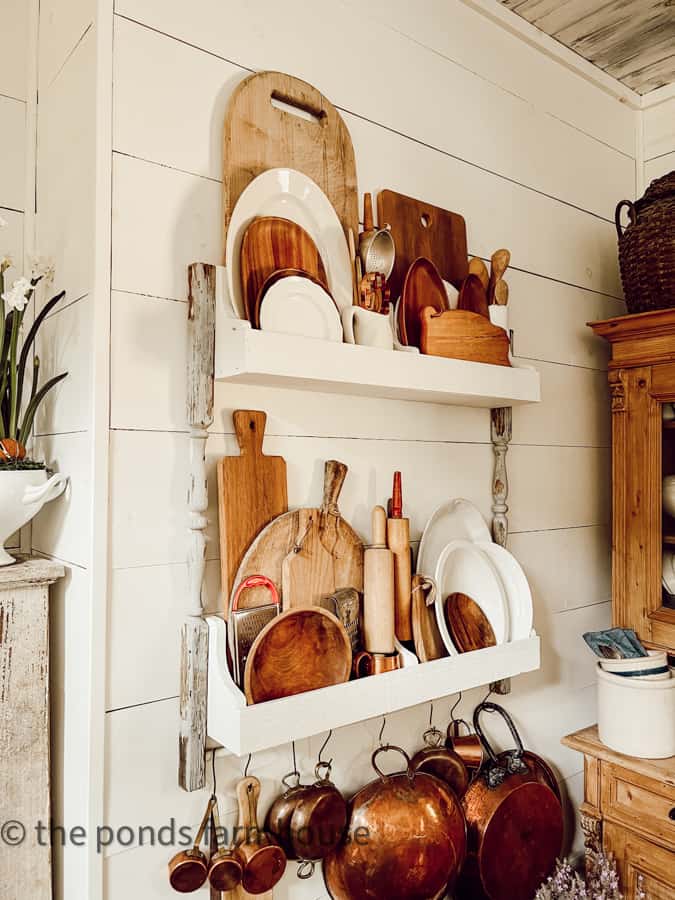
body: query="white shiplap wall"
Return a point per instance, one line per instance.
(63, 230)
(470, 118)
(658, 123)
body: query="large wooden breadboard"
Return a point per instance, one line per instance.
(420, 229)
(314, 140)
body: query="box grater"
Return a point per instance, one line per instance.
(345, 604)
(246, 624)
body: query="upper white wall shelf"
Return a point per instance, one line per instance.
(250, 356)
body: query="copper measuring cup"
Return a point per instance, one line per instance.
(188, 870)
(468, 747)
(226, 866)
(263, 859)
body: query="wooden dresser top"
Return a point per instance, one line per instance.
(587, 741)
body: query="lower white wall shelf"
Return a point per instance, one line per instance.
(248, 729)
(250, 356)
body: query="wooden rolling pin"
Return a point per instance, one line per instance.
(398, 541)
(378, 589)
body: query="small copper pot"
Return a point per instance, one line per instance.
(263, 859)
(188, 870)
(468, 747)
(367, 663)
(226, 866)
(444, 763)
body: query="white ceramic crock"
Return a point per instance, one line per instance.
(22, 496)
(367, 328)
(636, 717)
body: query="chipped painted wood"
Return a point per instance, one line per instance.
(632, 40)
(25, 860)
(194, 636)
(500, 433)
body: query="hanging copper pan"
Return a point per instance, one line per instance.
(514, 820)
(444, 763)
(406, 839)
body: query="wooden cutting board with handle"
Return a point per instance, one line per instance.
(251, 492)
(420, 229)
(328, 534)
(428, 641)
(274, 120)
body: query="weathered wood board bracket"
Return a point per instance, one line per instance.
(195, 633)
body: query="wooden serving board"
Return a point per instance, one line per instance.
(259, 136)
(459, 334)
(270, 244)
(338, 551)
(251, 492)
(420, 229)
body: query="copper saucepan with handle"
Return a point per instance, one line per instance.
(514, 820)
(188, 870)
(407, 838)
(467, 746)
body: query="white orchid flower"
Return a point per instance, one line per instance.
(16, 298)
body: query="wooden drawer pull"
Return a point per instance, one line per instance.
(671, 814)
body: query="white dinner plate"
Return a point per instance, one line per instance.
(464, 568)
(457, 520)
(297, 305)
(290, 195)
(518, 594)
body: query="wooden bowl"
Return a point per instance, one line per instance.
(300, 650)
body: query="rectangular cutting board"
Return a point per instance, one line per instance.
(274, 120)
(251, 492)
(420, 229)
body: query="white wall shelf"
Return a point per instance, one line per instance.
(246, 729)
(250, 356)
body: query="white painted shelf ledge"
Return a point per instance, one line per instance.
(243, 729)
(249, 356)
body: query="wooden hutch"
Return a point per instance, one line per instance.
(629, 804)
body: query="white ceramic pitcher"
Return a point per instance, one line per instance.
(23, 493)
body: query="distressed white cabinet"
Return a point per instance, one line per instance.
(25, 855)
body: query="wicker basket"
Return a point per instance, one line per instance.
(647, 247)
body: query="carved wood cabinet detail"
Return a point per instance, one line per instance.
(641, 380)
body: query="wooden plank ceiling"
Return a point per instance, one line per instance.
(633, 40)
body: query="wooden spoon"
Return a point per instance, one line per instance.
(468, 624)
(499, 263)
(478, 267)
(501, 295)
(472, 296)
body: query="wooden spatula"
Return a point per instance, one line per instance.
(251, 492)
(499, 263)
(308, 571)
(478, 267)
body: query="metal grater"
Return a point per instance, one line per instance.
(345, 604)
(246, 624)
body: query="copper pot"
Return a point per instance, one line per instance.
(308, 820)
(407, 839)
(264, 862)
(188, 869)
(514, 820)
(435, 759)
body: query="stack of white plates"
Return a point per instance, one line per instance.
(456, 550)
